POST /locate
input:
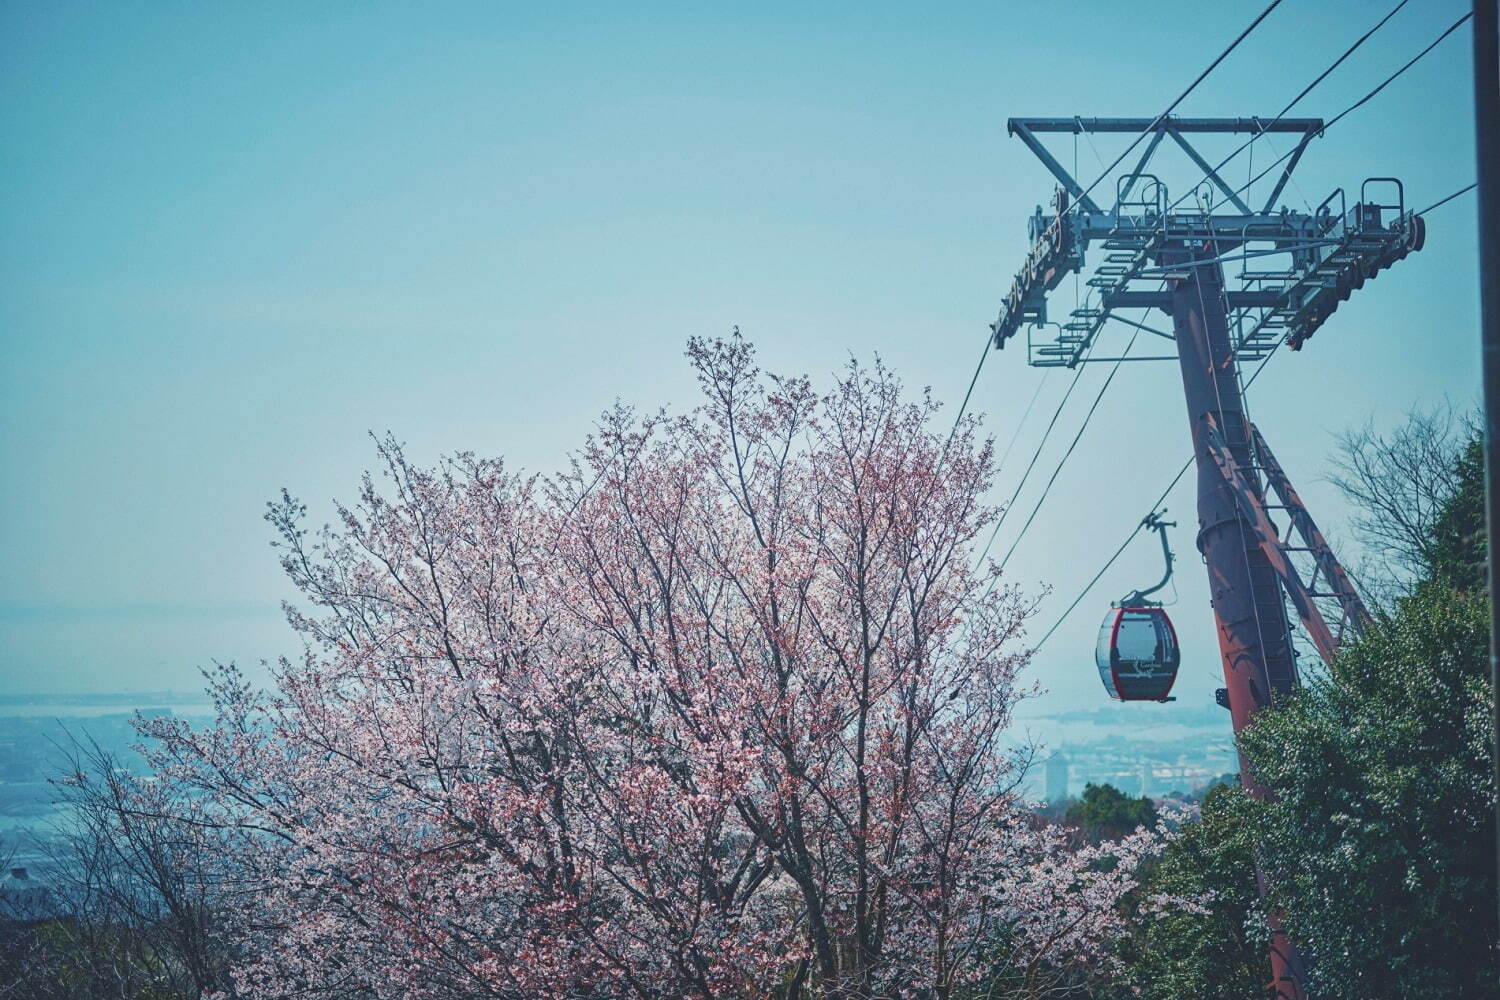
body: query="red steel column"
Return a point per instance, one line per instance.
(1254, 639)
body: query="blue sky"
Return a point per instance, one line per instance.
(235, 238)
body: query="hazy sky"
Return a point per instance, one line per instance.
(235, 238)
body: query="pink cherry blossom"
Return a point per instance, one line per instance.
(719, 711)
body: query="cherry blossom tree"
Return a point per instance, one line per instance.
(718, 712)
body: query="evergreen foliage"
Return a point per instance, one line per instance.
(1379, 846)
(1458, 543)
(1105, 813)
(1216, 952)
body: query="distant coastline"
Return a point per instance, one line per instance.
(113, 699)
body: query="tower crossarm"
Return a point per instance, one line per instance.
(1135, 126)
(1320, 257)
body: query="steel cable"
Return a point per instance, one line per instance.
(1340, 116)
(1136, 530)
(1248, 143)
(1356, 105)
(1245, 33)
(1443, 201)
(1180, 98)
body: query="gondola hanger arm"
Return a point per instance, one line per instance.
(1154, 522)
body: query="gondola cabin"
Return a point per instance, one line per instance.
(1137, 654)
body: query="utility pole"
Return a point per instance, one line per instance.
(1487, 148)
(1295, 268)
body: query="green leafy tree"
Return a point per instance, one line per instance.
(1458, 539)
(1379, 846)
(1215, 950)
(1106, 813)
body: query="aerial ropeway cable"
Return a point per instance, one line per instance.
(1083, 593)
(1356, 105)
(1224, 54)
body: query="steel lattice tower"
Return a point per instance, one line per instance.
(1320, 257)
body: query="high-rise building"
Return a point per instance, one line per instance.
(1056, 770)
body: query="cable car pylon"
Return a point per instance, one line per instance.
(1295, 268)
(1137, 653)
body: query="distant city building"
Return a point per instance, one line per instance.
(1056, 770)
